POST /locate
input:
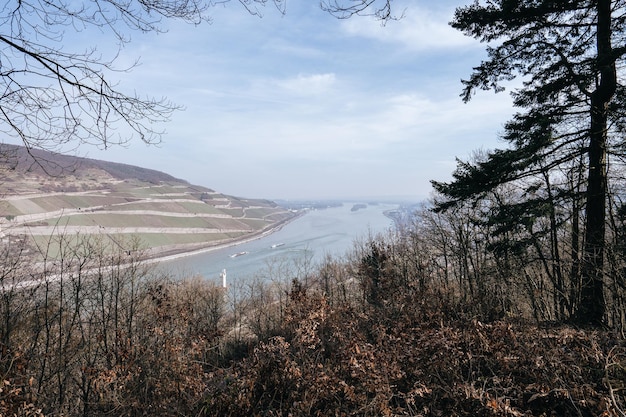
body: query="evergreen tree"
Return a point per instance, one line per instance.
(567, 53)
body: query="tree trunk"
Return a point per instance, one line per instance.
(592, 304)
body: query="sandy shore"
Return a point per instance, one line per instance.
(156, 255)
(170, 253)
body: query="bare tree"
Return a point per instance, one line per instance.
(51, 96)
(380, 9)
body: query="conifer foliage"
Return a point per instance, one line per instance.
(567, 55)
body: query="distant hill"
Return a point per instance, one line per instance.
(37, 161)
(44, 195)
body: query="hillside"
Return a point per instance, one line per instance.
(45, 196)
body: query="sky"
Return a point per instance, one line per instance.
(307, 106)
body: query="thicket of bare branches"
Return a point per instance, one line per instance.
(98, 333)
(433, 318)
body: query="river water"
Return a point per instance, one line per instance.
(302, 243)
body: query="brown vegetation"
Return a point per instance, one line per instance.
(418, 323)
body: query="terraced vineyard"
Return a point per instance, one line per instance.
(161, 213)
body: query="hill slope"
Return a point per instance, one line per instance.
(44, 196)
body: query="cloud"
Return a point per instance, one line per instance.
(312, 84)
(287, 47)
(418, 30)
(348, 105)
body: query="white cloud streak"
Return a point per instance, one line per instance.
(419, 29)
(313, 84)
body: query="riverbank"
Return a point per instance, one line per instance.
(304, 243)
(157, 255)
(174, 252)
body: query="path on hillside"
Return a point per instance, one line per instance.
(106, 209)
(52, 230)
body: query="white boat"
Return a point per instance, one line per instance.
(276, 245)
(234, 255)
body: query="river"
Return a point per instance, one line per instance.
(303, 242)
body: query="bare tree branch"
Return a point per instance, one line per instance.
(51, 97)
